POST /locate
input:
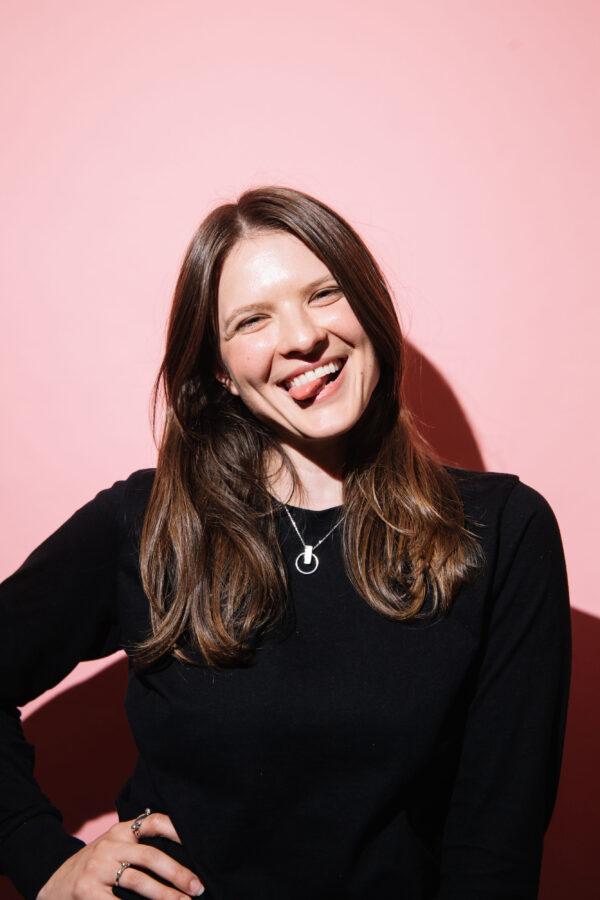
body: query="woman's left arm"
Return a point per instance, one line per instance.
(507, 778)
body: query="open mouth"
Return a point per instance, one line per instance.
(309, 385)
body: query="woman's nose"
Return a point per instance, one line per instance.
(300, 333)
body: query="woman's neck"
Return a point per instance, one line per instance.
(320, 481)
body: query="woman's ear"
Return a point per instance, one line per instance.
(225, 379)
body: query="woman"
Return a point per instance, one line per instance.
(350, 664)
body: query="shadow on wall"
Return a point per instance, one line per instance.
(438, 414)
(85, 752)
(571, 846)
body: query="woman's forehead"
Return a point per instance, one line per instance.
(267, 262)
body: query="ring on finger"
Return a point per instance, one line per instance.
(135, 826)
(120, 870)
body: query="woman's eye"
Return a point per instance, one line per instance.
(327, 293)
(248, 323)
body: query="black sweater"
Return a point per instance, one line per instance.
(356, 758)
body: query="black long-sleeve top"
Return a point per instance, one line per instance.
(357, 757)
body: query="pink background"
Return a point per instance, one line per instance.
(461, 139)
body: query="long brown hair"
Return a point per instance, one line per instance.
(209, 557)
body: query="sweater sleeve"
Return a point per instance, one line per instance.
(507, 778)
(57, 609)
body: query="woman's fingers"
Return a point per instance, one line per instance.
(155, 825)
(158, 863)
(91, 872)
(146, 886)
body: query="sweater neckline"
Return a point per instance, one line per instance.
(309, 520)
(304, 509)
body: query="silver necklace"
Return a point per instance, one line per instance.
(308, 557)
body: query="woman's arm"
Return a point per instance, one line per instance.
(57, 609)
(507, 778)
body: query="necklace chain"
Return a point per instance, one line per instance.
(309, 557)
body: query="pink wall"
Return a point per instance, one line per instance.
(461, 138)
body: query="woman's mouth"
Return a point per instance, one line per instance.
(309, 384)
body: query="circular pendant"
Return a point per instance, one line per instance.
(314, 562)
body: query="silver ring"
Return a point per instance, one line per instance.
(120, 870)
(135, 826)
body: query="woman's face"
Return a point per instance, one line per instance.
(291, 346)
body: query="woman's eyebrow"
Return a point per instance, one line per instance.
(318, 281)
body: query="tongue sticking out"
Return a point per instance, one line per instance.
(306, 391)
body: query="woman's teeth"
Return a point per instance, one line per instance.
(313, 374)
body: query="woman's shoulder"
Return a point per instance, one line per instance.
(519, 533)
(139, 484)
(126, 499)
(494, 497)
(134, 488)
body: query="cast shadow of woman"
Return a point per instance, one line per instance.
(85, 751)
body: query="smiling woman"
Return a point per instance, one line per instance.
(382, 718)
(296, 355)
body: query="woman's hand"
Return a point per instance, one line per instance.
(91, 872)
